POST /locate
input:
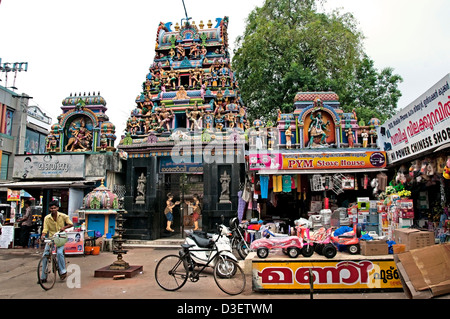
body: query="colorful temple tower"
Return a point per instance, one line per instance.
(83, 126)
(185, 132)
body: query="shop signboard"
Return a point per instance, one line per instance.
(419, 127)
(12, 195)
(49, 166)
(364, 274)
(167, 166)
(260, 161)
(333, 160)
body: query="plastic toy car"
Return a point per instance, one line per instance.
(292, 245)
(349, 239)
(323, 244)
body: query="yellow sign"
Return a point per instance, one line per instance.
(326, 275)
(334, 160)
(13, 195)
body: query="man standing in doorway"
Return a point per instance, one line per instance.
(55, 222)
(27, 224)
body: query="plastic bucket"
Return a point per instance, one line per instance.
(87, 250)
(96, 250)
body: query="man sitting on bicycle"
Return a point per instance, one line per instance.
(53, 223)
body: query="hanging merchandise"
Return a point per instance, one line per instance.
(287, 183)
(348, 182)
(317, 183)
(241, 206)
(299, 183)
(446, 172)
(277, 184)
(264, 183)
(382, 181)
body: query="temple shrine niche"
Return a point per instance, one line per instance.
(187, 118)
(316, 122)
(82, 127)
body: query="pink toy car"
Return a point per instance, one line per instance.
(323, 244)
(291, 245)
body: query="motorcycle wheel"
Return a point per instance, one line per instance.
(262, 252)
(226, 267)
(242, 249)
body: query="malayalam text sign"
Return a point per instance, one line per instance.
(335, 160)
(421, 126)
(327, 275)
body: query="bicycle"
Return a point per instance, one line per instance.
(48, 265)
(173, 271)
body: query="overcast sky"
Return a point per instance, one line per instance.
(107, 46)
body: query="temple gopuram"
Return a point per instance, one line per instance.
(80, 153)
(185, 136)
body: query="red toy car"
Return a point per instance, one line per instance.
(291, 245)
(349, 239)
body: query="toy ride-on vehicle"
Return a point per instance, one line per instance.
(323, 244)
(291, 245)
(347, 237)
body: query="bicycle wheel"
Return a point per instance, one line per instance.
(170, 273)
(46, 273)
(229, 276)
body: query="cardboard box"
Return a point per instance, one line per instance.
(413, 238)
(425, 272)
(374, 247)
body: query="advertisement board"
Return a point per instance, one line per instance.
(326, 275)
(265, 161)
(335, 160)
(419, 127)
(48, 166)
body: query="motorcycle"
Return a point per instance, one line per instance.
(237, 238)
(205, 246)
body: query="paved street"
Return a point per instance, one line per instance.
(18, 280)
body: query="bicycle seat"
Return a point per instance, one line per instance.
(202, 242)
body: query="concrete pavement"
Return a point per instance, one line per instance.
(18, 280)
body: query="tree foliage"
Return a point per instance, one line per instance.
(288, 47)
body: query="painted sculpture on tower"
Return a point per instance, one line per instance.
(190, 85)
(82, 127)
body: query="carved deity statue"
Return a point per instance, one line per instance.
(317, 129)
(81, 138)
(195, 116)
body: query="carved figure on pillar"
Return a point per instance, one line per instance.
(225, 180)
(141, 187)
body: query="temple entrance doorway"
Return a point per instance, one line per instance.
(183, 187)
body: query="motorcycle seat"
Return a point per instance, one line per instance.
(186, 246)
(202, 242)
